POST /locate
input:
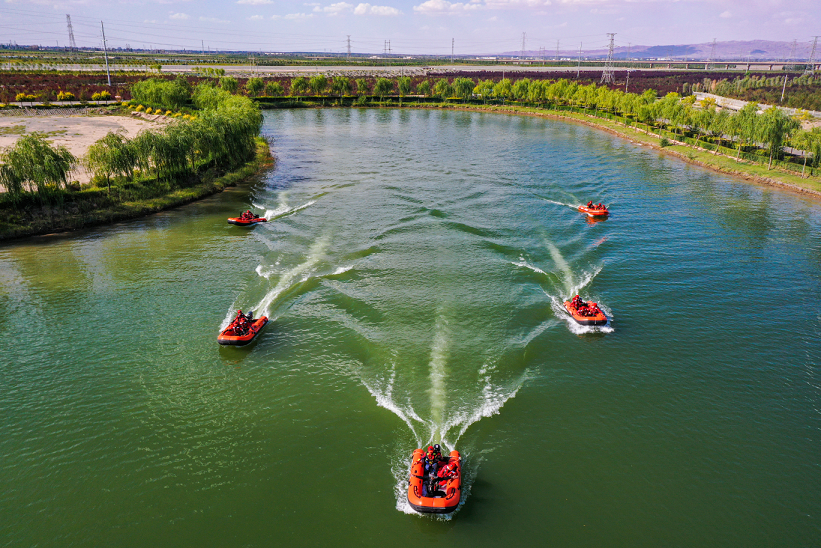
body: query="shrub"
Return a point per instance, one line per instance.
(140, 108)
(65, 96)
(664, 142)
(168, 113)
(101, 96)
(149, 110)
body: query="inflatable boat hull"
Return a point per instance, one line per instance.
(227, 337)
(594, 212)
(596, 319)
(444, 501)
(246, 222)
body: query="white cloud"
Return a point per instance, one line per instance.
(255, 2)
(503, 4)
(367, 9)
(213, 20)
(179, 16)
(255, 18)
(443, 6)
(293, 16)
(334, 9)
(726, 15)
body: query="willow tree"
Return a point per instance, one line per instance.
(229, 84)
(810, 142)
(318, 84)
(33, 163)
(463, 88)
(442, 88)
(383, 87)
(744, 125)
(254, 86)
(361, 86)
(273, 89)
(774, 128)
(299, 85)
(484, 89)
(503, 89)
(111, 155)
(423, 88)
(341, 85)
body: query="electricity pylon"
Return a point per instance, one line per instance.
(607, 75)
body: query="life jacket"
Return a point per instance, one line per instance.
(450, 470)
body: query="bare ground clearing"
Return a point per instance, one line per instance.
(76, 133)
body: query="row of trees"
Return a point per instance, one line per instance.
(221, 136)
(771, 130)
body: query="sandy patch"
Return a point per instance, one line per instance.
(76, 133)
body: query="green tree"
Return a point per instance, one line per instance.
(383, 87)
(810, 142)
(33, 162)
(484, 89)
(442, 88)
(774, 128)
(423, 88)
(299, 85)
(403, 85)
(503, 89)
(274, 89)
(111, 155)
(229, 84)
(341, 85)
(520, 89)
(745, 125)
(254, 86)
(463, 88)
(362, 86)
(318, 84)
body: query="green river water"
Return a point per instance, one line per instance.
(413, 268)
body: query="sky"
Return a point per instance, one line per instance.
(471, 27)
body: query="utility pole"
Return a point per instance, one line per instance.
(607, 74)
(627, 83)
(452, 46)
(105, 50)
(557, 50)
(524, 35)
(349, 47)
(629, 56)
(579, 66)
(811, 65)
(783, 89)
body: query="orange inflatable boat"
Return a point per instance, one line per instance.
(242, 330)
(246, 221)
(594, 211)
(434, 495)
(585, 313)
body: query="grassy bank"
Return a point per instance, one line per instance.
(93, 207)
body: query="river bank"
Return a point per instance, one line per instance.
(99, 210)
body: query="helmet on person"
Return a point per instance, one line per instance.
(430, 448)
(436, 447)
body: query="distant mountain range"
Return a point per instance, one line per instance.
(733, 50)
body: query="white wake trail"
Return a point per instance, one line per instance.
(301, 272)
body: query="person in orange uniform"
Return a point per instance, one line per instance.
(448, 471)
